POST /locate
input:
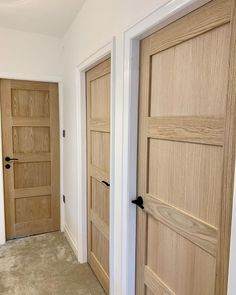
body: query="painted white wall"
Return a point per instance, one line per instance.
(28, 56)
(96, 24)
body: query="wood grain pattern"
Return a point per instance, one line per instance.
(98, 151)
(99, 174)
(30, 192)
(191, 79)
(98, 269)
(198, 232)
(99, 223)
(33, 208)
(102, 125)
(30, 103)
(100, 247)
(31, 139)
(155, 284)
(228, 167)
(205, 130)
(148, 292)
(100, 195)
(21, 121)
(24, 174)
(38, 226)
(30, 127)
(181, 265)
(187, 176)
(100, 87)
(212, 15)
(145, 78)
(32, 157)
(187, 153)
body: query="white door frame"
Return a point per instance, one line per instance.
(159, 18)
(82, 68)
(39, 78)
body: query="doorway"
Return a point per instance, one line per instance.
(98, 85)
(31, 157)
(186, 154)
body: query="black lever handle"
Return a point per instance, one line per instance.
(138, 202)
(106, 183)
(8, 159)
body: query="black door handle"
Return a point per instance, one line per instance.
(106, 183)
(138, 202)
(8, 159)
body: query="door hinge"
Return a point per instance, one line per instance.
(64, 199)
(64, 133)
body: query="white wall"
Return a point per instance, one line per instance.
(26, 56)
(29, 54)
(95, 25)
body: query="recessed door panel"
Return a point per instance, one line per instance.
(31, 139)
(100, 148)
(30, 103)
(187, 176)
(182, 75)
(100, 87)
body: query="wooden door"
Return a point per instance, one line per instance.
(30, 128)
(186, 153)
(98, 150)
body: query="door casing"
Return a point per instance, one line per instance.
(82, 68)
(36, 78)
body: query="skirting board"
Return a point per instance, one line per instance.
(71, 241)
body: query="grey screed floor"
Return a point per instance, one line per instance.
(44, 265)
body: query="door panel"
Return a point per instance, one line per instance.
(190, 175)
(168, 252)
(100, 87)
(181, 76)
(98, 142)
(30, 124)
(183, 149)
(100, 145)
(100, 195)
(24, 174)
(38, 139)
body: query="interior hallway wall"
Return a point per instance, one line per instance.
(29, 54)
(26, 56)
(95, 25)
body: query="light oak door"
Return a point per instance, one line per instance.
(30, 128)
(186, 153)
(98, 150)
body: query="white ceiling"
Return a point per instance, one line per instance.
(50, 17)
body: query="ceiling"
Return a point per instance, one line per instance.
(50, 17)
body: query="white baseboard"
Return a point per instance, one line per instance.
(71, 240)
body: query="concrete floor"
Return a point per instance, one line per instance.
(44, 265)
